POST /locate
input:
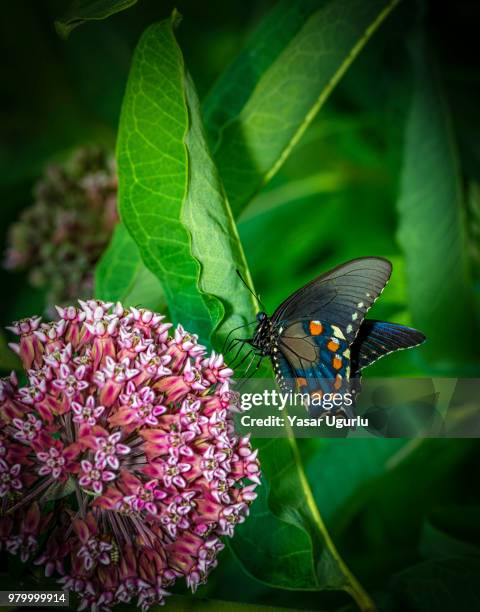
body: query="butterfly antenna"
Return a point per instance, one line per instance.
(250, 289)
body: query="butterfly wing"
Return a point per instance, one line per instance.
(316, 325)
(375, 339)
(340, 297)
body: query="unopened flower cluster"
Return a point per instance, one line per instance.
(62, 234)
(119, 467)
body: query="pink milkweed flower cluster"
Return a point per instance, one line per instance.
(120, 469)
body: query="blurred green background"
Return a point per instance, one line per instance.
(404, 514)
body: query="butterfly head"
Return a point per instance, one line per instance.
(261, 316)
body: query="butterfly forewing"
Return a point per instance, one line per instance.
(340, 297)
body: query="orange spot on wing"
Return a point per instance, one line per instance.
(337, 362)
(333, 345)
(317, 394)
(338, 382)
(301, 382)
(316, 328)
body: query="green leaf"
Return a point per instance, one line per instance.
(451, 531)
(171, 198)
(58, 490)
(122, 275)
(431, 223)
(301, 555)
(436, 544)
(263, 104)
(441, 585)
(89, 10)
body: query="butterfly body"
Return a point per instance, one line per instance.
(264, 338)
(318, 339)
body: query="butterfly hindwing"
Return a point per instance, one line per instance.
(375, 339)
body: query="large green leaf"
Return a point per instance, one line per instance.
(432, 229)
(262, 105)
(121, 275)
(171, 198)
(89, 10)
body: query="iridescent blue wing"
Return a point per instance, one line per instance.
(340, 297)
(375, 339)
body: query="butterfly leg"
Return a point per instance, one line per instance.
(249, 363)
(236, 366)
(260, 359)
(232, 344)
(231, 332)
(245, 377)
(237, 354)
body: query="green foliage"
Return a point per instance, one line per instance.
(272, 45)
(171, 199)
(387, 513)
(121, 275)
(451, 532)
(432, 204)
(255, 124)
(442, 585)
(8, 359)
(82, 11)
(302, 554)
(362, 461)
